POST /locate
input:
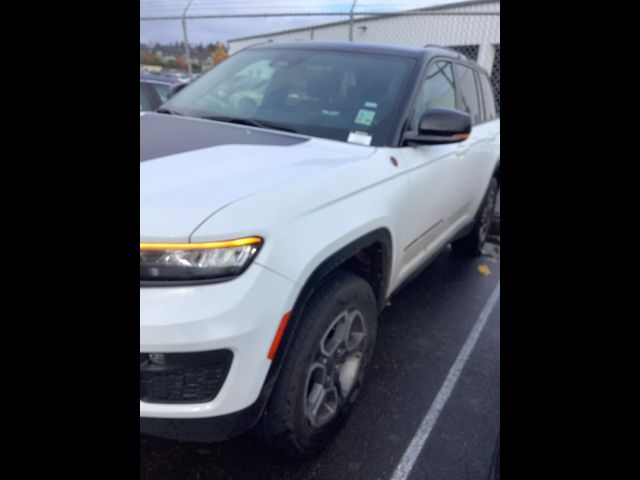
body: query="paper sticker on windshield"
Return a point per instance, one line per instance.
(371, 104)
(365, 117)
(361, 138)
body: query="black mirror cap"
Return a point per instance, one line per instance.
(441, 125)
(176, 88)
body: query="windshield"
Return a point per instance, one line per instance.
(319, 93)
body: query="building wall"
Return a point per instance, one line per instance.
(478, 36)
(416, 30)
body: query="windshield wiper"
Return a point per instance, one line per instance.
(253, 123)
(168, 111)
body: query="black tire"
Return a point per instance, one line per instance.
(287, 421)
(472, 243)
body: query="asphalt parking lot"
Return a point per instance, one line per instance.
(419, 370)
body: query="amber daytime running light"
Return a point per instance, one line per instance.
(196, 262)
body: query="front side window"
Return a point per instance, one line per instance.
(438, 88)
(469, 95)
(318, 93)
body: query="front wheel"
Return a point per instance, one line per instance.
(324, 368)
(472, 243)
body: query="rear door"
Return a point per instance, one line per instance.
(476, 154)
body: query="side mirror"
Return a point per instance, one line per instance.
(175, 89)
(440, 126)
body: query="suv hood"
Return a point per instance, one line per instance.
(192, 168)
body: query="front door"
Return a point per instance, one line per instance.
(434, 173)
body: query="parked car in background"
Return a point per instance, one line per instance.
(177, 75)
(154, 90)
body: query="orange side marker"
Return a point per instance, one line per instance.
(460, 136)
(278, 336)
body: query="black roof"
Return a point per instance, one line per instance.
(362, 47)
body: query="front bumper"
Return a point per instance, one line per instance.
(241, 316)
(211, 429)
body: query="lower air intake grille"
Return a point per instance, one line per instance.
(183, 377)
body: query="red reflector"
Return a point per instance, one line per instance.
(278, 336)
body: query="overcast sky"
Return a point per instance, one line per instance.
(211, 30)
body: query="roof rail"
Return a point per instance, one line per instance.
(257, 44)
(433, 45)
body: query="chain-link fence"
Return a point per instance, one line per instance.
(470, 27)
(495, 74)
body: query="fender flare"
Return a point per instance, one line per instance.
(380, 236)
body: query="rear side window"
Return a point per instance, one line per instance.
(469, 97)
(438, 89)
(489, 99)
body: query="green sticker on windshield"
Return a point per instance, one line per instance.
(365, 117)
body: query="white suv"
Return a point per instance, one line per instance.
(273, 230)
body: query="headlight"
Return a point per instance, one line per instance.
(180, 262)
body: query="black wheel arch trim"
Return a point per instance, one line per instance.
(380, 236)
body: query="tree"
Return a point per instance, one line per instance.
(219, 53)
(181, 61)
(148, 58)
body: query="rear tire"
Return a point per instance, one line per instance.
(472, 244)
(323, 372)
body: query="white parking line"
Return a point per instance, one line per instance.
(410, 456)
